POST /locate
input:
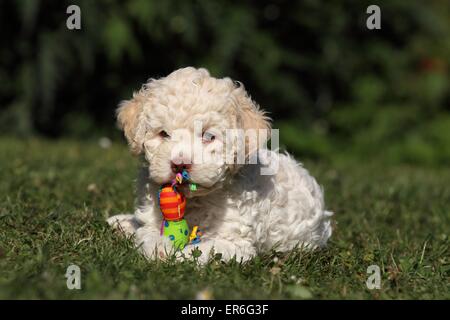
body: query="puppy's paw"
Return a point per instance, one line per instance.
(225, 250)
(152, 244)
(125, 223)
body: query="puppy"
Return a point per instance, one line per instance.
(183, 121)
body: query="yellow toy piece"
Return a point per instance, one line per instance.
(193, 233)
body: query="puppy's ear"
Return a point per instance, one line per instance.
(252, 117)
(128, 119)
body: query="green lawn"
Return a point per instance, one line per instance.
(55, 196)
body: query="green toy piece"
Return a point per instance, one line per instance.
(177, 232)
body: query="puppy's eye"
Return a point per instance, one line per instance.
(164, 134)
(208, 137)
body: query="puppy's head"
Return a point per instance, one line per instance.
(188, 120)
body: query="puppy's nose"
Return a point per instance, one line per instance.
(178, 167)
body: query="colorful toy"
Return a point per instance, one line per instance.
(173, 204)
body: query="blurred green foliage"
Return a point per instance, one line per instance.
(334, 88)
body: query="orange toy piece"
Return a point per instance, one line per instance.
(172, 203)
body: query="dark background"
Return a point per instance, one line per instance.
(333, 87)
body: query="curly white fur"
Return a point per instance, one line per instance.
(240, 211)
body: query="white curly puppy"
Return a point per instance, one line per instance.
(240, 211)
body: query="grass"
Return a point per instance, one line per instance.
(55, 196)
